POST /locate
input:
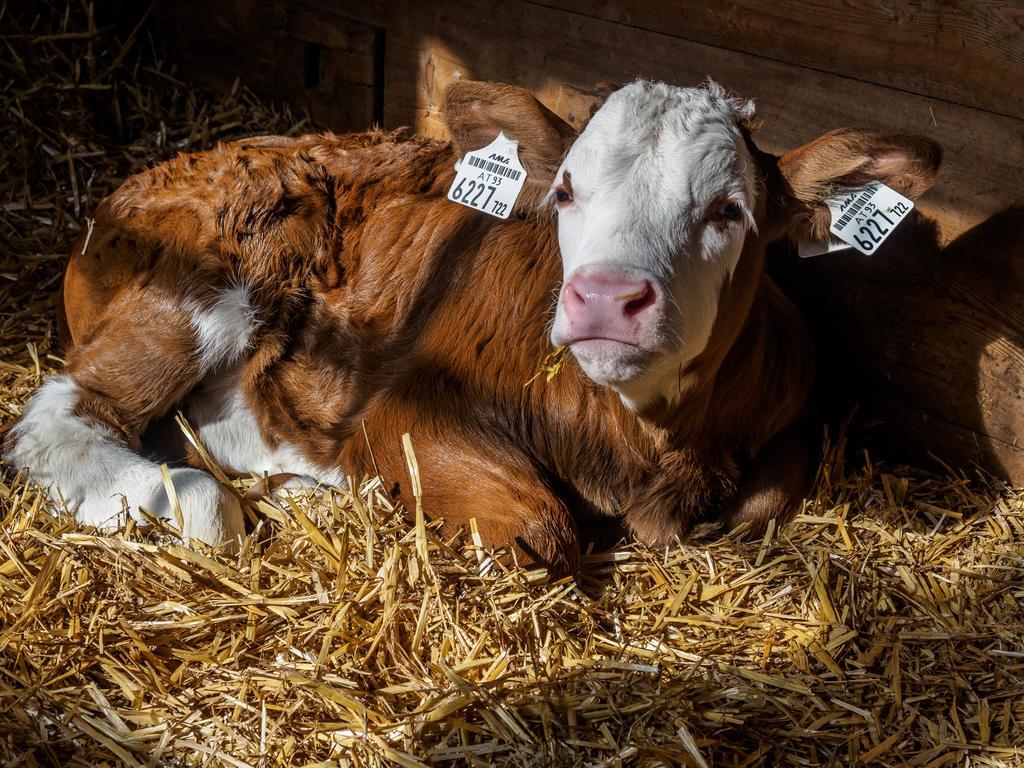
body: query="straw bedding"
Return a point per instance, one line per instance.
(883, 627)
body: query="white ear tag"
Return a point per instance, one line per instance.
(866, 216)
(817, 248)
(490, 179)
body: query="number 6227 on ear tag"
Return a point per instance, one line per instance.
(490, 179)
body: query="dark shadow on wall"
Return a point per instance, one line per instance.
(926, 342)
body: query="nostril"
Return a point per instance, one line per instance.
(575, 299)
(640, 301)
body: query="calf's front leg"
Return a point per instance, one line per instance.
(80, 433)
(514, 508)
(775, 482)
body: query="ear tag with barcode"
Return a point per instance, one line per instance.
(866, 216)
(490, 179)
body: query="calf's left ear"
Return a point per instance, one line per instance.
(851, 157)
(476, 112)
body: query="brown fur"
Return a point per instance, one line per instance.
(386, 309)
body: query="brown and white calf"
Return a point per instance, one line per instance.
(305, 300)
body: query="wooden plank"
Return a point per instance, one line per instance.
(320, 61)
(333, 61)
(559, 55)
(969, 52)
(213, 44)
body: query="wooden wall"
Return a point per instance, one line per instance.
(938, 360)
(953, 71)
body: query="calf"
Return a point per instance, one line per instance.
(307, 301)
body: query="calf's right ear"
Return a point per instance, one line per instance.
(476, 112)
(851, 157)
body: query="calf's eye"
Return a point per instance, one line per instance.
(732, 211)
(726, 210)
(563, 196)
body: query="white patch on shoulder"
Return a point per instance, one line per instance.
(228, 429)
(98, 479)
(224, 330)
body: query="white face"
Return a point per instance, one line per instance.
(655, 199)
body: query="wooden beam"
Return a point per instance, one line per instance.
(969, 52)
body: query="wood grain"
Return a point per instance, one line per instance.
(969, 53)
(329, 64)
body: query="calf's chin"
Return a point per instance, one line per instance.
(611, 363)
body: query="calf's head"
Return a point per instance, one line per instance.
(655, 200)
(664, 209)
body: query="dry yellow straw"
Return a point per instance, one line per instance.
(172, 495)
(417, 492)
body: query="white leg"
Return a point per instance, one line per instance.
(228, 429)
(85, 465)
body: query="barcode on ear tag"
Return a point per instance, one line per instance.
(490, 179)
(866, 216)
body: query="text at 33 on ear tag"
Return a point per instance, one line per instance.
(866, 216)
(490, 179)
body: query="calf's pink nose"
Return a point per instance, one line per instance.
(608, 305)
